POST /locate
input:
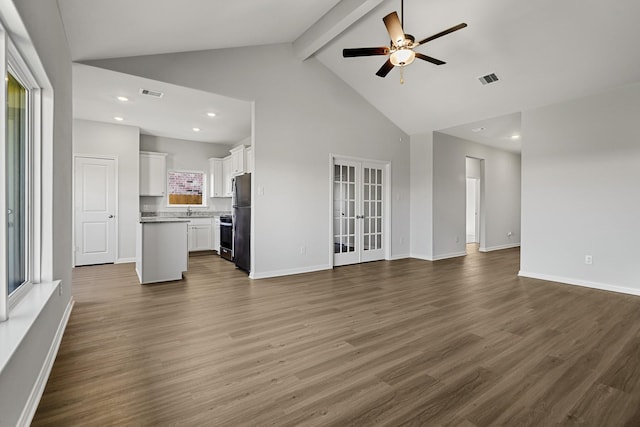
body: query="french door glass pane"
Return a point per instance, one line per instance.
(16, 184)
(344, 210)
(373, 209)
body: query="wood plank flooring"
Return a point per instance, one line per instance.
(461, 342)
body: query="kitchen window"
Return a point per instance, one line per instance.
(186, 188)
(18, 148)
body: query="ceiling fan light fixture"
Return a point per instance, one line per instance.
(402, 57)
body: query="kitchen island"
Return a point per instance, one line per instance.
(161, 249)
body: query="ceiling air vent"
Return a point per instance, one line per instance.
(153, 93)
(489, 78)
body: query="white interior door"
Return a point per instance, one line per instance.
(95, 209)
(472, 211)
(358, 212)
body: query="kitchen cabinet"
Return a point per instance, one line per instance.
(237, 160)
(216, 178)
(248, 160)
(152, 173)
(227, 175)
(216, 234)
(161, 250)
(200, 234)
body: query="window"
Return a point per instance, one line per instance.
(186, 188)
(16, 176)
(17, 147)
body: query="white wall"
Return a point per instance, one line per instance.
(95, 138)
(303, 112)
(42, 21)
(422, 196)
(184, 155)
(580, 178)
(500, 196)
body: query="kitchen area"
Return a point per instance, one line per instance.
(155, 167)
(191, 206)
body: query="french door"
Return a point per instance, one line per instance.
(358, 211)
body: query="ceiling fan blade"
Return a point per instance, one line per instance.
(429, 59)
(384, 70)
(394, 28)
(442, 33)
(365, 51)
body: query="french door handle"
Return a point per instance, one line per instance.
(359, 216)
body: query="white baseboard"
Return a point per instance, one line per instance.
(450, 255)
(421, 256)
(582, 283)
(500, 247)
(400, 256)
(38, 389)
(289, 272)
(125, 260)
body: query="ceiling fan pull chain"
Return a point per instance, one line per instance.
(401, 75)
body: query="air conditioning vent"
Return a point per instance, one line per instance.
(489, 78)
(153, 93)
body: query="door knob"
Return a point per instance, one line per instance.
(111, 216)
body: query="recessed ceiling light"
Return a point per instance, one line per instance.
(123, 98)
(480, 129)
(211, 114)
(118, 118)
(196, 129)
(515, 136)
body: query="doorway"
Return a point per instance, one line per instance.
(359, 211)
(95, 210)
(473, 200)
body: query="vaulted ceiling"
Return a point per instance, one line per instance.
(543, 51)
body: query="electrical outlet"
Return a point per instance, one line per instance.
(588, 259)
(303, 250)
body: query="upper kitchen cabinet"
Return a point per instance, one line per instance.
(216, 178)
(248, 160)
(237, 160)
(227, 174)
(152, 173)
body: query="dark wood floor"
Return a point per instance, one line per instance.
(460, 342)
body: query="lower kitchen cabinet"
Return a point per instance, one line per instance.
(200, 234)
(161, 250)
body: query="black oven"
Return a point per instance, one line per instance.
(226, 237)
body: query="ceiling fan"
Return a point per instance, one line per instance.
(401, 50)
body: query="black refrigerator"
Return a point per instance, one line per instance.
(242, 221)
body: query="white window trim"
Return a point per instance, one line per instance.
(4, 287)
(11, 60)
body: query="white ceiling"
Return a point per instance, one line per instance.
(98, 29)
(501, 132)
(543, 51)
(180, 109)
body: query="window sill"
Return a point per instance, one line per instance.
(22, 317)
